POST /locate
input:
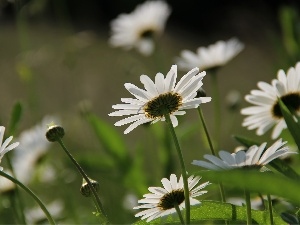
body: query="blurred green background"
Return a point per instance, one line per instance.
(56, 60)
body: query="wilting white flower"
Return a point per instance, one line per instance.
(161, 201)
(4, 147)
(214, 55)
(159, 98)
(36, 215)
(255, 156)
(137, 29)
(266, 111)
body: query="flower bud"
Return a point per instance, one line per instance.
(85, 189)
(54, 133)
(201, 93)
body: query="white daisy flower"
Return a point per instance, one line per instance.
(4, 147)
(161, 201)
(137, 29)
(254, 157)
(266, 112)
(214, 55)
(159, 98)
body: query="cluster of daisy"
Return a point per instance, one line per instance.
(163, 97)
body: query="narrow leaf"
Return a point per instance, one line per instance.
(268, 183)
(293, 126)
(15, 118)
(112, 142)
(211, 210)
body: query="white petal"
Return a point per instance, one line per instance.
(129, 119)
(160, 83)
(135, 124)
(174, 121)
(171, 79)
(149, 85)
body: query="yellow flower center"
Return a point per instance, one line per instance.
(163, 104)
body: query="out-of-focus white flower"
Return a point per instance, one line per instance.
(214, 55)
(137, 29)
(36, 215)
(130, 201)
(266, 111)
(33, 145)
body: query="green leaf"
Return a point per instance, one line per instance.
(245, 141)
(293, 126)
(268, 183)
(15, 118)
(109, 138)
(277, 164)
(211, 210)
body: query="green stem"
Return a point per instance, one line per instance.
(206, 130)
(183, 170)
(222, 192)
(179, 213)
(17, 195)
(270, 209)
(248, 207)
(217, 108)
(81, 171)
(41, 204)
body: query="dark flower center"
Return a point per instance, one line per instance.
(148, 33)
(169, 200)
(166, 103)
(292, 102)
(254, 167)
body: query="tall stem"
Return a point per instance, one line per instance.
(183, 170)
(41, 204)
(217, 108)
(248, 207)
(17, 194)
(206, 130)
(222, 192)
(179, 214)
(270, 209)
(100, 208)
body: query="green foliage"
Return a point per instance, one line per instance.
(112, 142)
(211, 210)
(257, 182)
(293, 126)
(15, 119)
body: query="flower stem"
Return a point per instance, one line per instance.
(248, 207)
(179, 213)
(99, 206)
(206, 130)
(183, 170)
(270, 209)
(41, 204)
(17, 194)
(222, 192)
(217, 109)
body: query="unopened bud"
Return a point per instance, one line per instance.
(201, 93)
(55, 133)
(233, 100)
(85, 189)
